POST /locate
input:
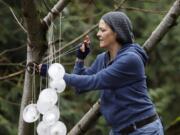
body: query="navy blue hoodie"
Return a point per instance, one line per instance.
(122, 83)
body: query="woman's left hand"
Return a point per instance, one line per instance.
(84, 49)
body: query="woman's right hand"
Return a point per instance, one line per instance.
(43, 69)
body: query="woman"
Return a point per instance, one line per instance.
(119, 75)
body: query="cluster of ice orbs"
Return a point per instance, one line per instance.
(46, 105)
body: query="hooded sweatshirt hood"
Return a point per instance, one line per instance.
(140, 52)
(120, 24)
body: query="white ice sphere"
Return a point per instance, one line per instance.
(59, 128)
(43, 129)
(52, 116)
(43, 106)
(30, 113)
(56, 71)
(58, 85)
(48, 95)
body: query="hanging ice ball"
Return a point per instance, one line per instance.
(43, 106)
(48, 95)
(43, 128)
(52, 116)
(30, 113)
(58, 128)
(58, 85)
(56, 71)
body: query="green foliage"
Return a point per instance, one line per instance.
(6, 128)
(165, 99)
(9, 107)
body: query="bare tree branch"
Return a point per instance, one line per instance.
(55, 12)
(12, 64)
(145, 10)
(11, 9)
(12, 75)
(12, 50)
(166, 24)
(150, 1)
(17, 20)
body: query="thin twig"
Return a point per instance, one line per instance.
(12, 50)
(120, 5)
(12, 64)
(47, 7)
(11, 9)
(17, 20)
(150, 1)
(12, 75)
(6, 4)
(89, 2)
(145, 10)
(54, 12)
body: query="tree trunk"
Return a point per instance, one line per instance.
(36, 48)
(156, 36)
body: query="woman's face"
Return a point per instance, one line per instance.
(106, 36)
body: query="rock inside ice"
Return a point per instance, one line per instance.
(59, 128)
(30, 113)
(43, 128)
(52, 116)
(56, 71)
(43, 106)
(48, 95)
(58, 85)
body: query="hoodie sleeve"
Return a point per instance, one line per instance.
(80, 69)
(124, 71)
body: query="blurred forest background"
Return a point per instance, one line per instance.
(163, 70)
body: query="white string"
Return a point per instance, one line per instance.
(40, 86)
(51, 49)
(60, 45)
(34, 85)
(66, 53)
(71, 50)
(50, 40)
(40, 89)
(32, 88)
(34, 92)
(54, 49)
(60, 35)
